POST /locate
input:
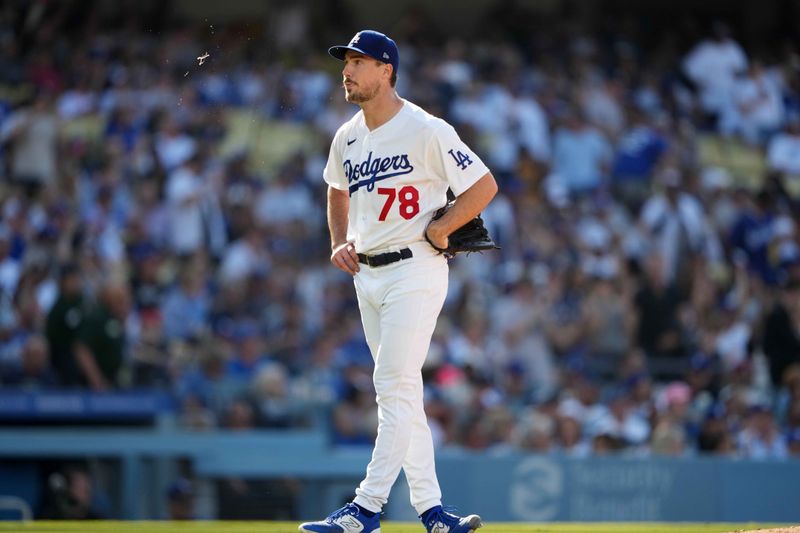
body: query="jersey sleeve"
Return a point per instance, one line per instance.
(334, 169)
(452, 160)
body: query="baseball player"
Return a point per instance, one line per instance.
(388, 171)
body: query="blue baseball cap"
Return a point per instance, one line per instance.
(370, 43)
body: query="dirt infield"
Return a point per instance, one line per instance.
(793, 529)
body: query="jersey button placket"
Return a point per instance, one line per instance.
(365, 148)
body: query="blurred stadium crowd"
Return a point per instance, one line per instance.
(163, 226)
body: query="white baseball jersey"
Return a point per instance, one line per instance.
(397, 175)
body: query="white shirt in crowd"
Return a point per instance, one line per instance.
(184, 192)
(713, 66)
(674, 226)
(783, 153)
(533, 130)
(757, 107)
(35, 137)
(280, 203)
(243, 258)
(174, 149)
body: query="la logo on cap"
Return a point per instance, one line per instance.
(355, 38)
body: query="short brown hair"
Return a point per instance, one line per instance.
(393, 78)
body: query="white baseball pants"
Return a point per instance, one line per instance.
(399, 306)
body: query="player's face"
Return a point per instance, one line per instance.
(361, 77)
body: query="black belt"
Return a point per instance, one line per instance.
(385, 259)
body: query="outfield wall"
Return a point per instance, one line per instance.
(511, 487)
(540, 488)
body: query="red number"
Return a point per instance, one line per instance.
(409, 202)
(389, 201)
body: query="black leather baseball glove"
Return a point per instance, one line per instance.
(471, 237)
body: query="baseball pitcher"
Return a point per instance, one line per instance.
(388, 174)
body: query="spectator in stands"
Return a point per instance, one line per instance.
(513, 383)
(714, 437)
(581, 401)
(564, 320)
(670, 435)
(245, 257)
(149, 217)
(609, 318)
(760, 438)
(656, 303)
(21, 323)
(104, 219)
(674, 221)
(757, 110)
(62, 325)
(33, 133)
(248, 353)
(619, 418)
(148, 286)
(793, 443)
(174, 146)
(285, 200)
(10, 268)
(733, 336)
(100, 343)
(150, 362)
(640, 394)
(203, 389)
(703, 379)
(188, 198)
(74, 496)
(469, 346)
(531, 124)
(272, 396)
(523, 360)
(637, 152)
(581, 155)
(34, 371)
(126, 127)
(600, 101)
(535, 432)
(783, 149)
(239, 415)
(144, 184)
(187, 306)
(180, 500)
(792, 419)
(570, 437)
(787, 401)
(355, 419)
(712, 66)
(753, 232)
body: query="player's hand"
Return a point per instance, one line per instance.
(436, 235)
(344, 258)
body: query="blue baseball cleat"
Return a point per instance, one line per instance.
(440, 521)
(348, 519)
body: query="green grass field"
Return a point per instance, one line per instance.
(389, 527)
